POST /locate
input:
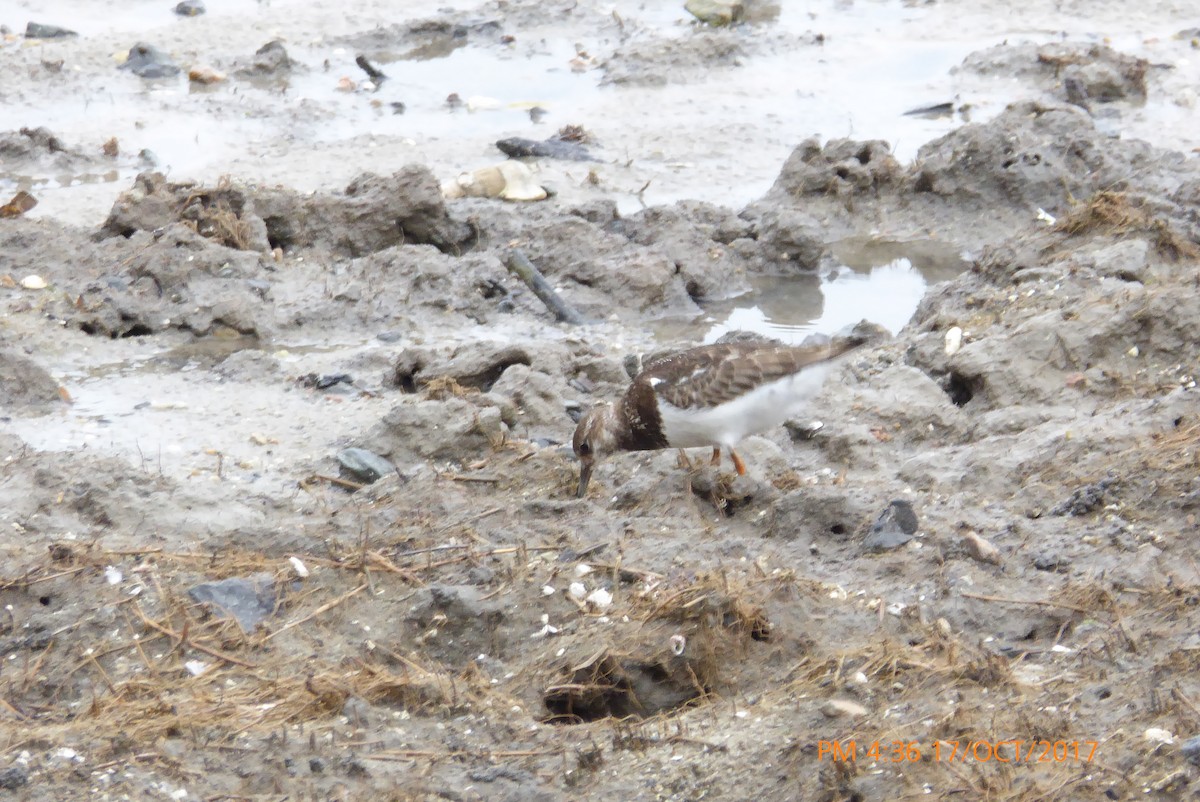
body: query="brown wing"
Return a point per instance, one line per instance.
(714, 374)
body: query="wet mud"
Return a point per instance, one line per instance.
(286, 484)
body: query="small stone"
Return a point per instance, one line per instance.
(389, 336)
(715, 12)
(190, 8)
(36, 30)
(895, 526)
(13, 777)
(316, 765)
(363, 465)
(249, 600)
(980, 549)
(1191, 748)
(147, 61)
(838, 708)
(34, 283)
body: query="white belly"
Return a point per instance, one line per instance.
(760, 409)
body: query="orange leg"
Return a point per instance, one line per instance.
(716, 457)
(684, 462)
(737, 463)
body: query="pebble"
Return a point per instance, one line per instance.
(980, 549)
(34, 283)
(837, 708)
(894, 527)
(1191, 748)
(13, 777)
(36, 30)
(190, 8)
(250, 600)
(365, 466)
(147, 61)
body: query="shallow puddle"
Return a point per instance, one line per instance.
(881, 281)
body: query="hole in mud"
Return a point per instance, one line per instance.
(44, 601)
(838, 529)
(694, 290)
(863, 156)
(619, 688)
(136, 330)
(842, 173)
(961, 389)
(279, 232)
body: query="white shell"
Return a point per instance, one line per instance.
(33, 283)
(954, 337)
(509, 180)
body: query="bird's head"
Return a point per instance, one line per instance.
(594, 437)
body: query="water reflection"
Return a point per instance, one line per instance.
(879, 280)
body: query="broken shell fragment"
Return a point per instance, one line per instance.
(33, 283)
(510, 180)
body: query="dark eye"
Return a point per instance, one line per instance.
(585, 449)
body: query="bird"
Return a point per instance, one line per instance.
(710, 395)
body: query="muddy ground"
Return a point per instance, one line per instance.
(181, 367)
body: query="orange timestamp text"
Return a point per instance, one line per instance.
(1009, 751)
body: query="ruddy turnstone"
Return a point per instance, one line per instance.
(713, 395)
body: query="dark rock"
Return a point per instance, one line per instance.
(248, 600)
(270, 60)
(552, 148)
(1086, 499)
(190, 8)
(330, 379)
(894, 527)
(316, 765)
(14, 777)
(1047, 561)
(36, 30)
(1191, 748)
(147, 61)
(363, 465)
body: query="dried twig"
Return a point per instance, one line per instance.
(322, 609)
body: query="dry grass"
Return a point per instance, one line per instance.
(1120, 214)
